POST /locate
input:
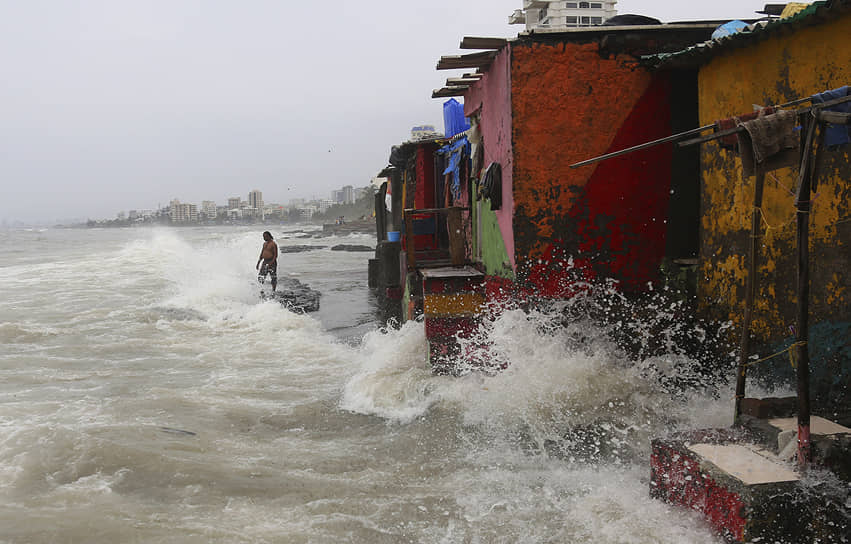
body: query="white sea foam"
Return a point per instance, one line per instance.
(154, 397)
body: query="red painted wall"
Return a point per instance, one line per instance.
(599, 221)
(424, 197)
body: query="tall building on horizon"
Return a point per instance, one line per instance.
(561, 15)
(255, 199)
(208, 208)
(233, 202)
(182, 213)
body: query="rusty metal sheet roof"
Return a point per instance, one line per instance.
(701, 53)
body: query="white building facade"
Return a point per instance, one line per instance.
(208, 208)
(183, 213)
(558, 15)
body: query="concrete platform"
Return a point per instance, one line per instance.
(745, 491)
(747, 463)
(453, 298)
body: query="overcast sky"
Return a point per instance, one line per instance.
(112, 105)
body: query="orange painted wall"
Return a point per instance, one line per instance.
(570, 104)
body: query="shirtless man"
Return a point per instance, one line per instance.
(269, 257)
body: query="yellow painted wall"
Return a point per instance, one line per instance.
(455, 305)
(779, 69)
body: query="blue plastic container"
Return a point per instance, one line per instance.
(393, 236)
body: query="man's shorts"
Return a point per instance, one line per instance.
(268, 268)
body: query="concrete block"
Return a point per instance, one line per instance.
(745, 492)
(450, 327)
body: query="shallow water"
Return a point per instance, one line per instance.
(147, 396)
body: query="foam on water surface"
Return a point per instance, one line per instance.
(289, 433)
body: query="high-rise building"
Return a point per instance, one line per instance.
(560, 15)
(255, 202)
(182, 213)
(348, 194)
(208, 208)
(255, 199)
(233, 202)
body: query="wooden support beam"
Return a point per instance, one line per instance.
(456, 237)
(460, 82)
(474, 42)
(473, 60)
(802, 203)
(750, 291)
(447, 92)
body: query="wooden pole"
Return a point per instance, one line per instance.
(802, 203)
(750, 291)
(456, 237)
(410, 244)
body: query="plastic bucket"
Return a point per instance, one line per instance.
(393, 236)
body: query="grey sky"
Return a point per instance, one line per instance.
(111, 105)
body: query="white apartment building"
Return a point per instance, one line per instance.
(233, 202)
(324, 204)
(561, 15)
(306, 213)
(208, 208)
(182, 213)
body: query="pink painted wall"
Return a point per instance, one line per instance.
(492, 95)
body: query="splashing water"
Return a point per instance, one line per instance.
(149, 396)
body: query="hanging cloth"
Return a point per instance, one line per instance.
(455, 152)
(769, 142)
(492, 185)
(835, 135)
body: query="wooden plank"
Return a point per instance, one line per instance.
(473, 60)
(447, 92)
(477, 42)
(750, 290)
(460, 82)
(456, 237)
(409, 242)
(802, 203)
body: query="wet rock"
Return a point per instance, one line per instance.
(300, 249)
(348, 247)
(295, 295)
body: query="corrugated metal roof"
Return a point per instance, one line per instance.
(703, 52)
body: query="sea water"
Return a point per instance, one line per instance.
(148, 395)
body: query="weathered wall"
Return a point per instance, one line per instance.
(491, 98)
(571, 103)
(778, 69)
(425, 192)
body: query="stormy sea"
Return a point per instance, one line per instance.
(148, 394)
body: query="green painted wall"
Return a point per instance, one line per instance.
(494, 256)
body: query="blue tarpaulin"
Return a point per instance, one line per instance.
(728, 29)
(454, 153)
(836, 135)
(454, 121)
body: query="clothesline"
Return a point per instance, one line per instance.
(681, 135)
